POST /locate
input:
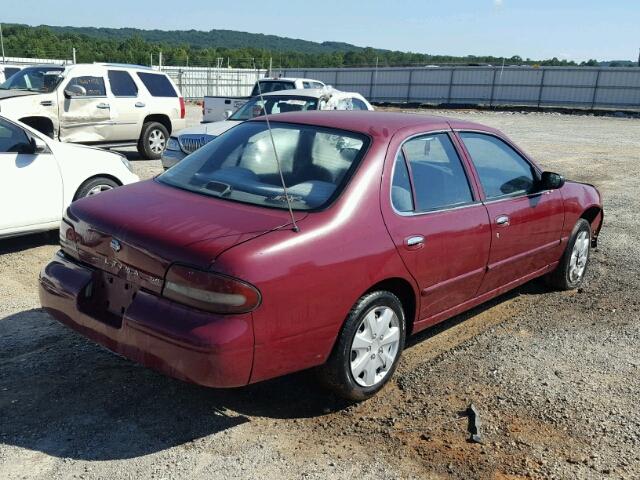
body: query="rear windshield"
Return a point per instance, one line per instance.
(240, 165)
(272, 86)
(274, 104)
(157, 84)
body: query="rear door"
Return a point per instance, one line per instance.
(437, 222)
(526, 223)
(127, 109)
(30, 183)
(86, 115)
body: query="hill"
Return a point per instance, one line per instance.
(213, 38)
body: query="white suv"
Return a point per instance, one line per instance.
(107, 105)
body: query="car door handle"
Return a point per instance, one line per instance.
(103, 105)
(140, 105)
(414, 241)
(502, 220)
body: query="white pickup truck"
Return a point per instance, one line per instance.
(217, 108)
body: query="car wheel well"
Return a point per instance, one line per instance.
(590, 214)
(402, 289)
(100, 175)
(42, 124)
(162, 119)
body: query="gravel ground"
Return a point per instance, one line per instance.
(555, 375)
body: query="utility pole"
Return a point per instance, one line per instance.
(160, 60)
(74, 55)
(151, 59)
(4, 60)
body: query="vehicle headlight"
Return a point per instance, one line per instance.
(126, 162)
(173, 144)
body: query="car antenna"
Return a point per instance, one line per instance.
(275, 152)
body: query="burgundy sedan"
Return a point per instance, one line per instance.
(401, 221)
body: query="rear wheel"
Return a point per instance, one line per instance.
(369, 346)
(153, 140)
(94, 186)
(573, 265)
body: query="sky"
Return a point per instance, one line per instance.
(567, 29)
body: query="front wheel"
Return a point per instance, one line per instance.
(153, 140)
(369, 346)
(94, 186)
(573, 265)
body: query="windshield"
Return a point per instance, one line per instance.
(274, 104)
(267, 86)
(35, 79)
(240, 165)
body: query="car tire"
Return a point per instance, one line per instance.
(368, 348)
(153, 140)
(573, 265)
(94, 186)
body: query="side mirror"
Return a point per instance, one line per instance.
(227, 114)
(551, 181)
(38, 145)
(75, 91)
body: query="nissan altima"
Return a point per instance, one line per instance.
(322, 242)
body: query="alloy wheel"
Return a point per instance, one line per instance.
(99, 189)
(157, 141)
(579, 257)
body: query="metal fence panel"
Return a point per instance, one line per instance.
(581, 87)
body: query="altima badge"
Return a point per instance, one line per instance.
(115, 245)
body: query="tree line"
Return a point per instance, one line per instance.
(45, 42)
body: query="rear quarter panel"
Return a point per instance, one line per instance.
(310, 280)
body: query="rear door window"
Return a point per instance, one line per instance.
(122, 85)
(157, 84)
(439, 179)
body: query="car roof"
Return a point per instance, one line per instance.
(371, 122)
(310, 92)
(290, 79)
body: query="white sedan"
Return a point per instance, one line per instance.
(40, 177)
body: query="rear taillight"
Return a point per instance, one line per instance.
(210, 291)
(182, 108)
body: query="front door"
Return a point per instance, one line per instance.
(85, 111)
(526, 223)
(439, 226)
(30, 183)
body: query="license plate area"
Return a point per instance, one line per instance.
(107, 297)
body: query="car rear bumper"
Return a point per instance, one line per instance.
(171, 157)
(185, 343)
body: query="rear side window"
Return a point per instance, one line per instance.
(358, 104)
(438, 176)
(501, 169)
(93, 86)
(401, 196)
(122, 85)
(157, 84)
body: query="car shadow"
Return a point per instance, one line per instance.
(65, 396)
(25, 242)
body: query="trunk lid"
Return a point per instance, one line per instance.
(135, 232)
